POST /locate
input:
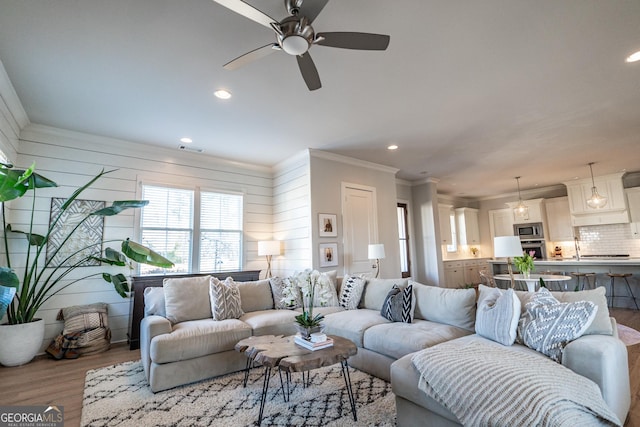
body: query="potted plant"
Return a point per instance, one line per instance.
(22, 293)
(524, 263)
(308, 282)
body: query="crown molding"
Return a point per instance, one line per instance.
(429, 180)
(298, 158)
(351, 161)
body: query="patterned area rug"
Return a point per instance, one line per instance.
(628, 335)
(118, 395)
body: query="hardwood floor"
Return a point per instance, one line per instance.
(46, 381)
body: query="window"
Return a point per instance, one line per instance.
(199, 231)
(403, 232)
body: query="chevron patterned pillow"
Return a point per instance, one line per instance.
(225, 299)
(399, 304)
(548, 325)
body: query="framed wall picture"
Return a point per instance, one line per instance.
(328, 225)
(328, 254)
(84, 242)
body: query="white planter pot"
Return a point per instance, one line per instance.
(20, 343)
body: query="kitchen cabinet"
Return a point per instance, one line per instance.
(468, 230)
(444, 212)
(535, 213)
(633, 197)
(559, 226)
(471, 271)
(501, 222)
(635, 230)
(453, 274)
(614, 212)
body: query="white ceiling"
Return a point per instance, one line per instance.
(473, 92)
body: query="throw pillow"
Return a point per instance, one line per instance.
(548, 325)
(602, 323)
(187, 298)
(497, 315)
(256, 295)
(285, 296)
(154, 302)
(351, 292)
(376, 290)
(455, 307)
(225, 299)
(325, 294)
(398, 306)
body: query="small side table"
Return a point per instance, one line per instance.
(281, 352)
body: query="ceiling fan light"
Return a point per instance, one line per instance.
(295, 45)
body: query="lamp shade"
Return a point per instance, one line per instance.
(376, 251)
(507, 246)
(268, 247)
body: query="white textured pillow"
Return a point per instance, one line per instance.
(225, 299)
(351, 292)
(548, 326)
(279, 285)
(187, 298)
(154, 302)
(497, 315)
(326, 290)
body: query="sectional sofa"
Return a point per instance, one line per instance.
(186, 345)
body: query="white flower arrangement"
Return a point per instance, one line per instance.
(309, 283)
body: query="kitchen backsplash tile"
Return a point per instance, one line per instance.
(610, 239)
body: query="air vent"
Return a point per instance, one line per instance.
(191, 149)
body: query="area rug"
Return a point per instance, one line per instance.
(628, 335)
(119, 395)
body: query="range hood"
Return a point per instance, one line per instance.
(614, 212)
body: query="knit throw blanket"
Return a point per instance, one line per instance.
(491, 385)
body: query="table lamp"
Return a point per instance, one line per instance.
(376, 251)
(507, 247)
(268, 248)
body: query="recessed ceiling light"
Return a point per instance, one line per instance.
(392, 147)
(222, 94)
(634, 57)
(186, 140)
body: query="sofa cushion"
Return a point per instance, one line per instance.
(351, 324)
(548, 326)
(399, 304)
(397, 339)
(256, 295)
(497, 314)
(225, 299)
(455, 307)
(195, 338)
(351, 292)
(376, 290)
(154, 302)
(187, 298)
(279, 288)
(271, 322)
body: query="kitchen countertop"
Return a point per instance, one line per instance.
(583, 261)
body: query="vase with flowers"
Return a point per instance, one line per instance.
(309, 287)
(524, 263)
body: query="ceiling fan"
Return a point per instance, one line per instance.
(295, 35)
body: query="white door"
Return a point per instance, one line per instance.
(360, 226)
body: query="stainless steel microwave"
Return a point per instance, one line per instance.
(531, 231)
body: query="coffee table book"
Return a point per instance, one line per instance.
(313, 345)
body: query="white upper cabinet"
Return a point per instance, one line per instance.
(468, 230)
(614, 212)
(633, 197)
(559, 227)
(501, 222)
(535, 213)
(444, 212)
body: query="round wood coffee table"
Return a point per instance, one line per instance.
(281, 352)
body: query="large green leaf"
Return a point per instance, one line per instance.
(112, 257)
(119, 281)
(8, 278)
(12, 183)
(34, 239)
(38, 180)
(119, 206)
(144, 255)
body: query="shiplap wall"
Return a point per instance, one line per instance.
(292, 214)
(71, 159)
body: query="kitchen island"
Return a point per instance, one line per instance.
(600, 266)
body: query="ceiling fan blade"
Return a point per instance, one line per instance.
(348, 40)
(258, 53)
(309, 71)
(248, 11)
(312, 8)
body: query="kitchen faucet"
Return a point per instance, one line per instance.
(577, 248)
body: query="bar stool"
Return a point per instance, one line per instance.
(585, 280)
(558, 285)
(624, 276)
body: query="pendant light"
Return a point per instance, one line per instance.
(521, 209)
(596, 201)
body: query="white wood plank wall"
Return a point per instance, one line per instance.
(71, 159)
